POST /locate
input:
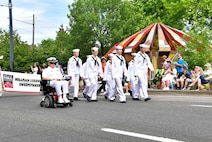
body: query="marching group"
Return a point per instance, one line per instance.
(91, 72)
(115, 74)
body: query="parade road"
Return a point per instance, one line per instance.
(166, 118)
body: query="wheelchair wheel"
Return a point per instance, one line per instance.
(48, 102)
(65, 105)
(70, 104)
(42, 103)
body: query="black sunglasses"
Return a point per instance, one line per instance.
(52, 62)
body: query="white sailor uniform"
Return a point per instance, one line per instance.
(131, 78)
(86, 80)
(75, 71)
(93, 71)
(54, 73)
(141, 65)
(118, 70)
(110, 92)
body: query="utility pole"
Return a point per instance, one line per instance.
(33, 30)
(11, 37)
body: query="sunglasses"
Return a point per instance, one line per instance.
(52, 63)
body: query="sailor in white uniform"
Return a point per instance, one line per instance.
(93, 73)
(86, 80)
(110, 82)
(118, 71)
(75, 71)
(131, 78)
(141, 65)
(56, 80)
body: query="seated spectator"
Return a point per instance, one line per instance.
(169, 76)
(187, 80)
(197, 78)
(207, 73)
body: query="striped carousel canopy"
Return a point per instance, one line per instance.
(157, 36)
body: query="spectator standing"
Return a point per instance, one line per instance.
(36, 69)
(179, 66)
(103, 83)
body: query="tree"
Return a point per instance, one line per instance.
(107, 21)
(192, 13)
(199, 50)
(21, 52)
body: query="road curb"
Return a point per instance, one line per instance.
(179, 92)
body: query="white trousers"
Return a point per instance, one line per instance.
(111, 89)
(142, 85)
(119, 88)
(92, 88)
(59, 85)
(74, 87)
(86, 86)
(134, 90)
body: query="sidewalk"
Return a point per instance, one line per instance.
(178, 92)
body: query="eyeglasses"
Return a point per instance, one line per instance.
(52, 63)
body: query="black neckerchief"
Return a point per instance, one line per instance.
(122, 61)
(77, 62)
(143, 56)
(95, 61)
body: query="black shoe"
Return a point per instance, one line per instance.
(136, 99)
(130, 92)
(71, 100)
(147, 99)
(84, 95)
(105, 97)
(88, 98)
(123, 102)
(94, 100)
(76, 99)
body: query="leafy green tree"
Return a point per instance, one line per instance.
(199, 50)
(192, 13)
(107, 21)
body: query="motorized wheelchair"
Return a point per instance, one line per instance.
(50, 99)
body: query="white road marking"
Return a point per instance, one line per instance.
(201, 106)
(143, 136)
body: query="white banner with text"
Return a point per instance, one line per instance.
(20, 82)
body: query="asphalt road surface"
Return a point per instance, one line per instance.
(165, 118)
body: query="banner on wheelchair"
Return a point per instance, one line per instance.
(20, 82)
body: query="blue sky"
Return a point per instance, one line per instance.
(49, 15)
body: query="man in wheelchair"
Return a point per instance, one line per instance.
(56, 80)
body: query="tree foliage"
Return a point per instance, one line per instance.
(109, 22)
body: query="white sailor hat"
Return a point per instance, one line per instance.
(76, 50)
(110, 55)
(118, 47)
(133, 54)
(51, 59)
(94, 48)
